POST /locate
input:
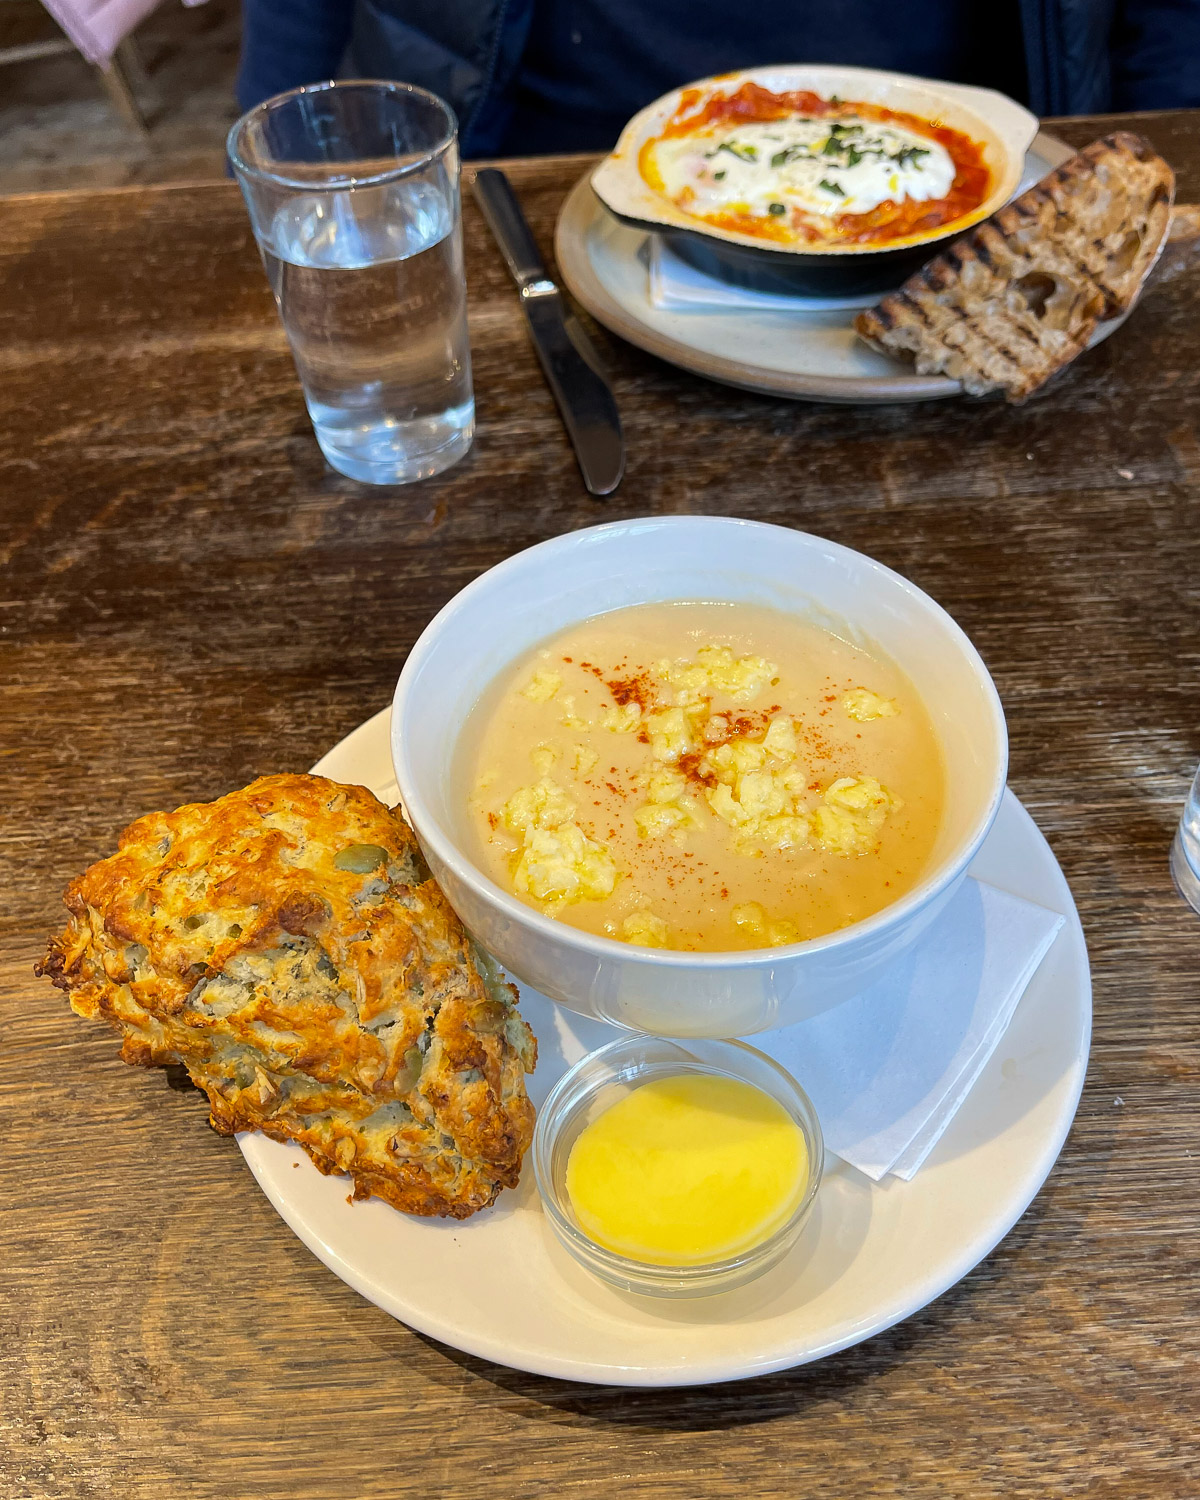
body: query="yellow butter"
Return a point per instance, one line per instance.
(686, 1170)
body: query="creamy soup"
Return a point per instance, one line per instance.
(702, 776)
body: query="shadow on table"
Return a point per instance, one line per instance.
(738, 1403)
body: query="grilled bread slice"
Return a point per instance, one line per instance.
(288, 946)
(1020, 296)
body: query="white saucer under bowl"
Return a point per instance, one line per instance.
(500, 1287)
(811, 353)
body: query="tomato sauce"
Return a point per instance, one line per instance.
(887, 221)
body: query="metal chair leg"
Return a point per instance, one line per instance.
(123, 76)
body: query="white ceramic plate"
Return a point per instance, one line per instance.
(500, 1287)
(812, 353)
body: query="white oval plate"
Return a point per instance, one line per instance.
(500, 1287)
(810, 353)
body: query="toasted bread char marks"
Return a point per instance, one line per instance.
(287, 944)
(1185, 224)
(1019, 297)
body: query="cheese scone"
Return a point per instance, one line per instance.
(287, 944)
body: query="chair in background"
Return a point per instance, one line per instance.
(100, 30)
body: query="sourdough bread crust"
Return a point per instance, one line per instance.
(1019, 297)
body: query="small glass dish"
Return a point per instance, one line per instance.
(596, 1083)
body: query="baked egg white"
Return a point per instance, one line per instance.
(822, 166)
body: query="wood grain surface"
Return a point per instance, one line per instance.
(190, 597)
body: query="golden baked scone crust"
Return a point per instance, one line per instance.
(287, 944)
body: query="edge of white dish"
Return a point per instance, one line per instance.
(797, 355)
(1005, 127)
(528, 597)
(370, 1246)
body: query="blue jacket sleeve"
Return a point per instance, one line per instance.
(1156, 55)
(467, 51)
(286, 43)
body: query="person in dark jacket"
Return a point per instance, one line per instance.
(530, 76)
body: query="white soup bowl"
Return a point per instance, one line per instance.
(540, 592)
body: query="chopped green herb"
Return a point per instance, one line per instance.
(791, 153)
(831, 187)
(743, 153)
(717, 176)
(854, 157)
(776, 208)
(907, 156)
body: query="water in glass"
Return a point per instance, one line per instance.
(1185, 851)
(370, 288)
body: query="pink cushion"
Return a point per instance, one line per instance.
(97, 27)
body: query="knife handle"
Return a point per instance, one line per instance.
(494, 194)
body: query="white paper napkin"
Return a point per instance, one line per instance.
(676, 286)
(888, 1070)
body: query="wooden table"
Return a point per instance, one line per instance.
(192, 598)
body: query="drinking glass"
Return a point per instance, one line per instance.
(1185, 851)
(353, 195)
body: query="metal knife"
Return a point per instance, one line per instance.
(568, 361)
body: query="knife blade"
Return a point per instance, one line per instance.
(568, 361)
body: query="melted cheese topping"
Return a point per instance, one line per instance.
(557, 862)
(826, 167)
(864, 705)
